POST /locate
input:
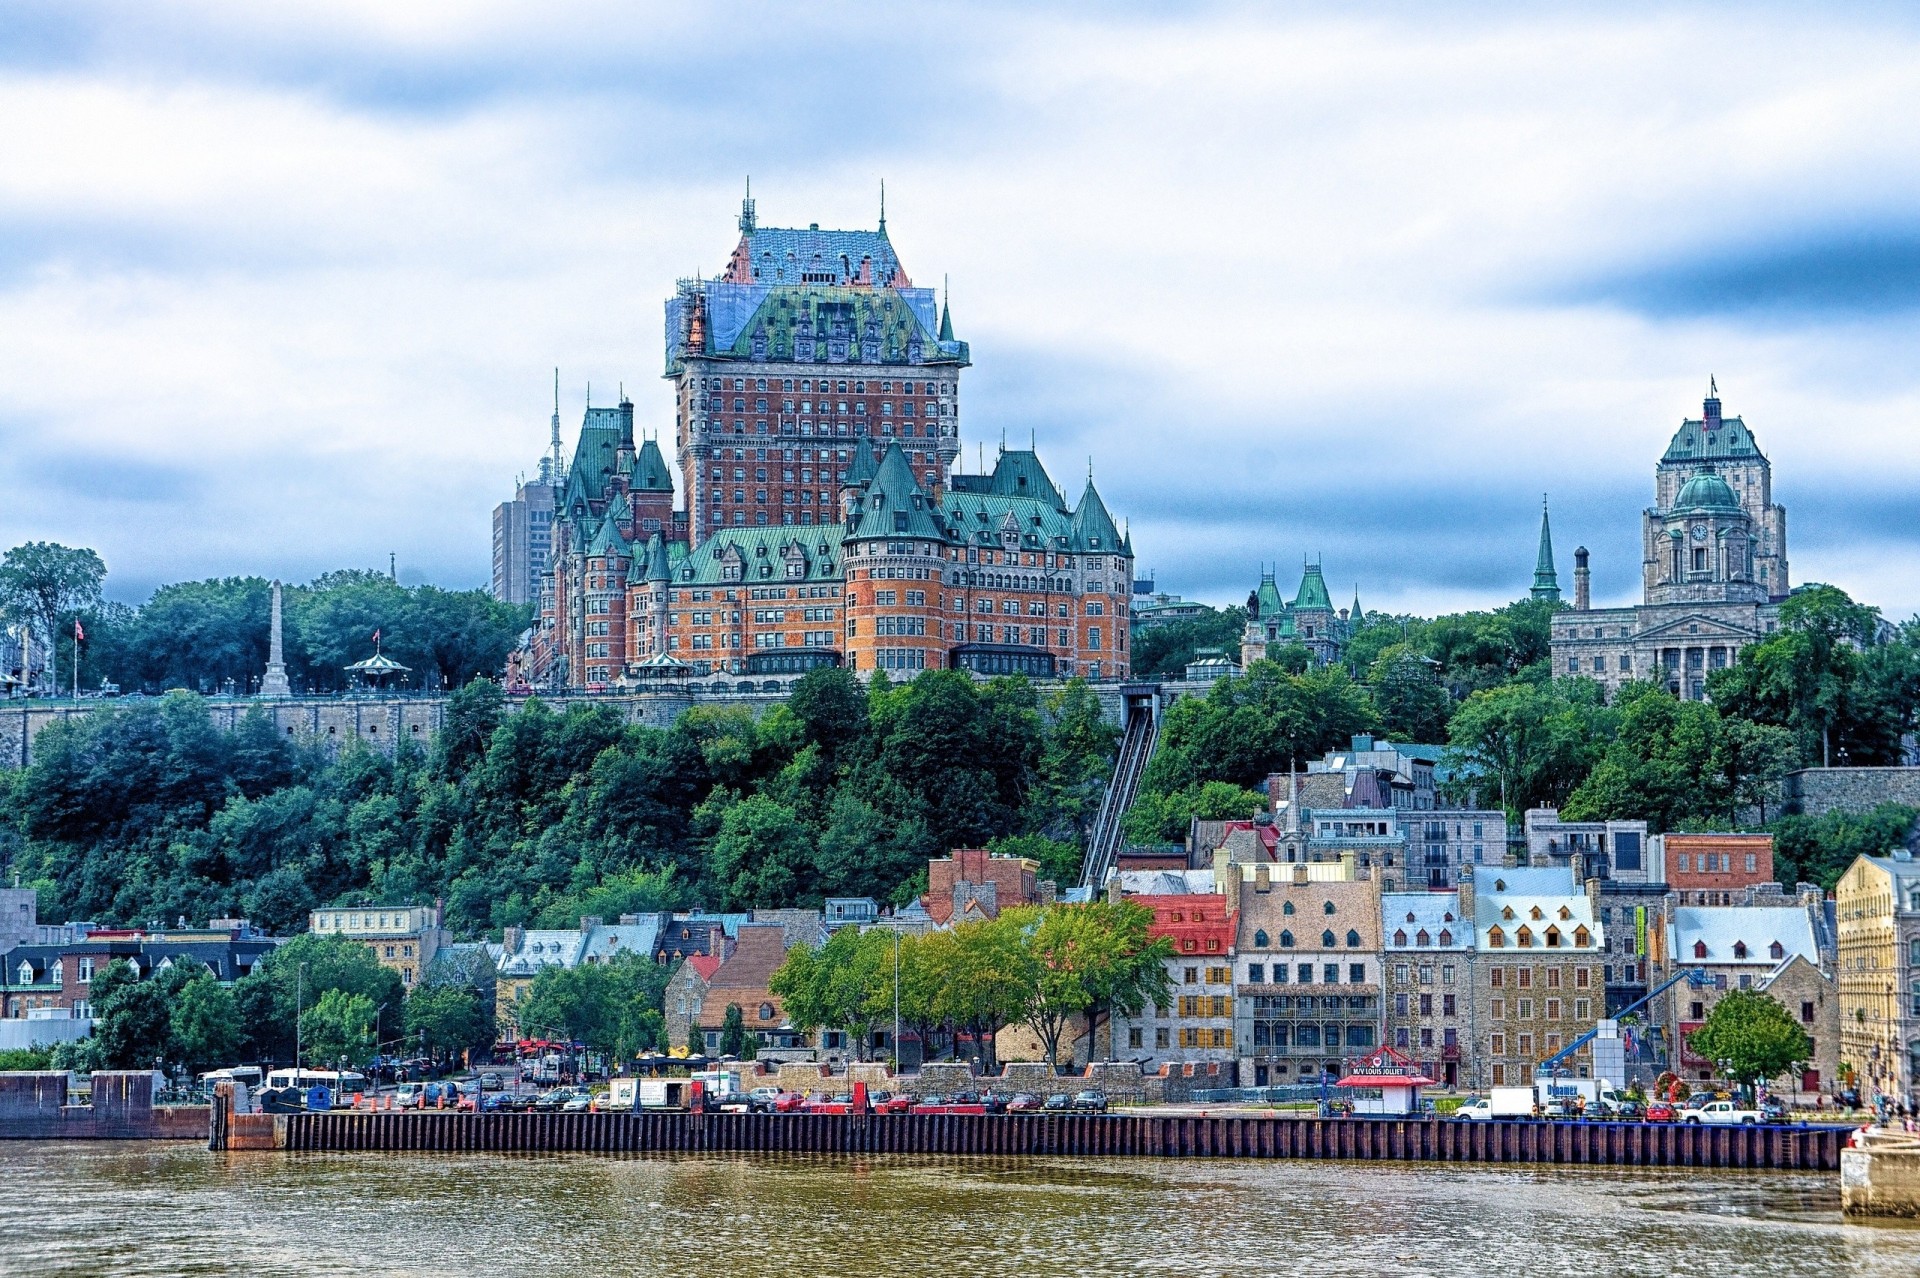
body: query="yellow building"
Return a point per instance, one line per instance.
(1878, 906)
(405, 938)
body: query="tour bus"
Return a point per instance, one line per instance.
(251, 1075)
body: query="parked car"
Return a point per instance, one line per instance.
(1774, 1110)
(409, 1095)
(579, 1101)
(555, 1100)
(887, 1103)
(515, 1102)
(929, 1101)
(1721, 1112)
(1630, 1109)
(994, 1101)
(964, 1098)
(1662, 1112)
(478, 1102)
(491, 1082)
(1090, 1101)
(1022, 1103)
(788, 1102)
(1058, 1103)
(763, 1100)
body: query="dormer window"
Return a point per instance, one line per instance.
(1739, 949)
(1699, 949)
(1446, 937)
(1776, 951)
(1423, 938)
(1496, 939)
(1582, 937)
(1326, 939)
(1524, 936)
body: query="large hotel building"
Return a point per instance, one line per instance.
(819, 520)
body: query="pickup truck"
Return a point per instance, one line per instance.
(1724, 1112)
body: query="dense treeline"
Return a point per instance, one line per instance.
(537, 816)
(1833, 685)
(214, 636)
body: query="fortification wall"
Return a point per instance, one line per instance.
(1818, 791)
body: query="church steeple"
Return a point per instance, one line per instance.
(1546, 582)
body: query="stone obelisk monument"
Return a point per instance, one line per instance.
(275, 683)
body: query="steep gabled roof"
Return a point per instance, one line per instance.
(650, 473)
(895, 505)
(1092, 527)
(761, 555)
(1313, 590)
(609, 542)
(1018, 473)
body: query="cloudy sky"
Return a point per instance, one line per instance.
(282, 286)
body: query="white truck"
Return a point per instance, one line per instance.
(1503, 1102)
(1722, 1112)
(1582, 1097)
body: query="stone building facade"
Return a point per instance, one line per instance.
(1196, 1023)
(1307, 973)
(1877, 904)
(1308, 619)
(1538, 983)
(820, 522)
(406, 938)
(1757, 948)
(1428, 972)
(1713, 567)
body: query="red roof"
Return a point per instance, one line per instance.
(1197, 923)
(706, 965)
(1385, 1080)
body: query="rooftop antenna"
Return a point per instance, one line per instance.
(555, 442)
(746, 209)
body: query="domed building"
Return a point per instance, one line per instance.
(1713, 567)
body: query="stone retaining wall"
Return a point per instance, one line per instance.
(33, 1106)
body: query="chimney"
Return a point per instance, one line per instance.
(1349, 867)
(514, 938)
(1113, 887)
(588, 922)
(1582, 582)
(1466, 896)
(1262, 879)
(1593, 896)
(1300, 872)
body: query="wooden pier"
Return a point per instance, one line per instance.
(1794, 1148)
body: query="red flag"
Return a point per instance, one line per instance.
(376, 636)
(79, 632)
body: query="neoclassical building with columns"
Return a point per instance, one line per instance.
(1713, 567)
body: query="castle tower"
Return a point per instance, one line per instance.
(1546, 581)
(809, 344)
(1725, 447)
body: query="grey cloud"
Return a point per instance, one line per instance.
(1831, 272)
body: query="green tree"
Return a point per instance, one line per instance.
(339, 1027)
(204, 1024)
(310, 967)
(1807, 678)
(42, 582)
(733, 1033)
(842, 984)
(132, 1018)
(1407, 694)
(1167, 648)
(1818, 849)
(763, 855)
(1529, 745)
(614, 1006)
(448, 1019)
(1166, 818)
(1753, 1037)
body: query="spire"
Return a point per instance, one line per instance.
(946, 311)
(1546, 582)
(1356, 614)
(746, 210)
(883, 206)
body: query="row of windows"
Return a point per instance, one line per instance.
(1402, 1038)
(900, 658)
(1522, 977)
(1403, 1003)
(806, 427)
(1329, 973)
(1306, 1003)
(1327, 941)
(1206, 1005)
(1523, 1008)
(1402, 973)
(806, 385)
(1283, 1034)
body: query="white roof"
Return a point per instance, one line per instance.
(1533, 898)
(1165, 882)
(1724, 929)
(1410, 914)
(544, 948)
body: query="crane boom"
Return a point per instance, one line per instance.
(1696, 975)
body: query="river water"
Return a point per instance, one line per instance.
(141, 1209)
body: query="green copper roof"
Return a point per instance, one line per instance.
(609, 542)
(1092, 526)
(894, 504)
(1712, 437)
(1706, 491)
(1268, 596)
(1313, 590)
(1546, 582)
(650, 473)
(1018, 473)
(864, 312)
(774, 556)
(946, 322)
(658, 566)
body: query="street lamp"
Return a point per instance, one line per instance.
(299, 990)
(896, 1001)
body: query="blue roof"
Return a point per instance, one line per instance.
(784, 255)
